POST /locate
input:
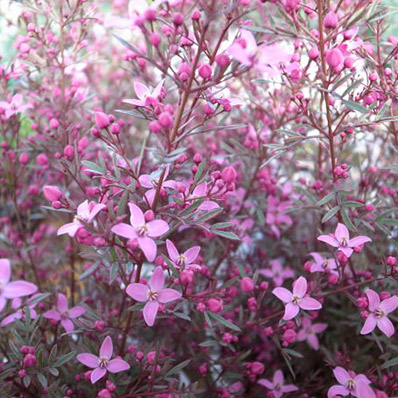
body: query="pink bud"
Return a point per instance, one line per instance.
(101, 120)
(391, 260)
(222, 60)
(215, 305)
(42, 160)
(334, 57)
(229, 174)
(115, 128)
(331, 21)
(257, 368)
(165, 119)
(54, 123)
(52, 193)
(247, 285)
(196, 15)
(313, 53)
(205, 71)
(24, 158)
(69, 151)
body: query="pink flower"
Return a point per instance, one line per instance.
(152, 294)
(142, 231)
(184, 260)
(277, 385)
(103, 363)
(323, 264)
(11, 290)
(341, 240)
(356, 385)
(276, 214)
(145, 96)
(86, 212)
(296, 300)
(20, 314)
(14, 107)
(277, 273)
(151, 182)
(378, 313)
(309, 331)
(201, 192)
(64, 314)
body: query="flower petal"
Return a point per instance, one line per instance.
(278, 377)
(77, 311)
(83, 210)
(341, 232)
(138, 291)
(389, 305)
(167, 295)
(95, 210)
(341, 375)
(52, 314)
(62, 303)
(329, 239)
(11, 318)
(150, 311)
(191, 254)
(373, 299)
(157, 279)
(140, 89)
(124, 230)
(97, 374)
(70, 229)
(386, 326)
(67, 325)
(266, 383)
(336, 391)
(18, 289)
(309, 304)
(359, 240)
(117, 365)
(137, 216)
(289, 388)
(282, 294)
(369, 324)
(5, 270)
(300, 287)
(291, 310)
(157, 228)
(148, 246)
(363, 390)
(87, 359)
(106, 349)
(172, 250)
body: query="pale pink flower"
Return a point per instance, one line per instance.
(64, 314)
(201, 192)
(309, 332)
(241, 227)
(341, 240)
(11, 290)
(277, 385)
(151, 182)
(14, 106)
(153, 294)
(296, 300)
(323, 264)
(184, 260)
(103, 363)
(378, 313)
(278, 274)
(142, 231)
(276, 214)
(145, 96)
(21, 312)
(86, 213)
(350, 383)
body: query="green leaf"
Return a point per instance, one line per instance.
(192, 207)
(199, 172)
(356, 107)
(225, 234)
(89, 271)
(209, 215)
(65, 358)
(326, 199)
(391, 362)
(208, 343)
(42, 379)
(177, 368)
(332, 212)
(53, 354)
(223, 321)
(93, 168)
(347, 220)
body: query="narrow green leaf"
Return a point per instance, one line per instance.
(178, 368)
(330, 214)
(223, 321)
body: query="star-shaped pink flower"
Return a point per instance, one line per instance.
(277, 385)
(350, 383)
(309, 332)
(184, 260)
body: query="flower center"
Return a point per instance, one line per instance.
(152, 295)
(103, 362)
(344, 242)
(277, 386)
(142, 230)
(325, 263)
(181, 260)
(295, 299)
(380, 313)
(78, 219)
(65, 315)
(350, 385)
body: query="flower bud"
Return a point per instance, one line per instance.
(101, 120)
(52, 193)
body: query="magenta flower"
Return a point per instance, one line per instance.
(309, 332)
(103, 363)
(152, 294)
(184, 260)
(20, 313)
(276, 216)
(151, 182)
(296, 300)
(86, 212)
(323, 264)
(341, 240)
(356, 385)
(201, 192)
(277, 385)
(277, 273)
(14, 107)
(378, 313)
(142, 231)
(64, 314)
(145, 96)
(11, 290)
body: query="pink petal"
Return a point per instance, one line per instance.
(52, 314)
(133, 101)
(346, 250)
(146, 181)
(310, 304)
(291, 310)
(199, 191)
(148, 246)
(70, 229)
(11, 318)
(124, 230)
(157, 90)
(386, 326)
(77, 311)
(317, 257)
(329, 239)
(364, 391)
(140, 89)
(300, 287)
(97, 374)
(369, 325)
(172, 250)
(359, 240)
(67, 325)
(341, 375)
(266, 383)
(5, 271)
(87, 359)
(62, 303)
(278, 377)
(289, 388)
(150, 311)
(167, 295)
(341, 232)
(138, 291)
(137, 216)
(157, 228)
(319, 327)
(251, 45)
(237, 52)
(282, 294)
(3, 303)
(157, 279)
(83, 210)
(191, 254)
(373, 299)
(106, 349)
(95, 210)
(18, 289)
(389, 305)
(313, 341)
(336, 391)
(117, 365)
(150, 196)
